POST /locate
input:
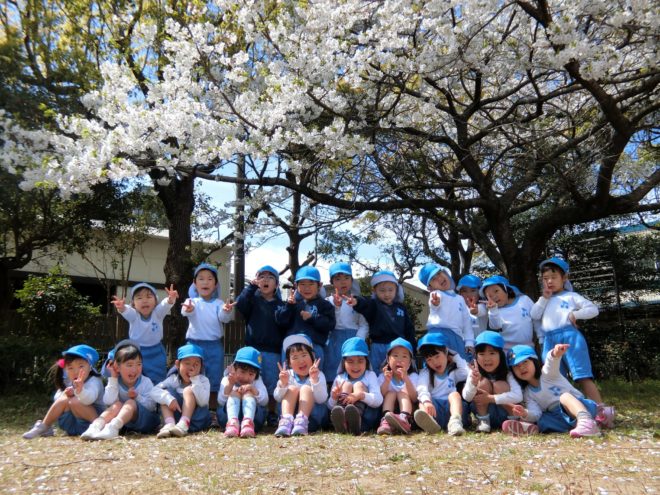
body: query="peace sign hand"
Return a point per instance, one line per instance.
(172, 294)
(119, 303)
(490, 304)
(79, 381)
(284, 374)
(229, 305)
(314, 372)
(547, 291)
(188, 306)
(435, 299)
(231, 374)
(292, 297)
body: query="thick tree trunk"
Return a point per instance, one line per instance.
(6, 291)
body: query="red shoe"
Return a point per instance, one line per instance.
(247, 428)
(519, 428)
(398, 422)
(384, 428)
(231, 430)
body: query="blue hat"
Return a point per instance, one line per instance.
(383, 276)
(190, 350)
(490, 338)
(469, 281)
(297, 338)
(494, 280)
(269, 269)
(401, 342)
(555, 261)
(248, 355)
(434, 338)
(308, 273)
(355, 346)
(143, 285)
(430, 270)
(206, 266)
(340, 267)
(519, 353)
(192, 290)
(83, 351)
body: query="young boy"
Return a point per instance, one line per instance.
(559, 308)
(468, 287)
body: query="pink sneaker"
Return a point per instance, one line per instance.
(231, 430)
(384, 428)
(247, 428)
(519, 428)
(585, 428)
(398, 422)
(605, 416)
(300, 425)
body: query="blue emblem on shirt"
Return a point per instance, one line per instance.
(525, 313)
(450, 383)
(556, 391)
(154, 326)
(399, 312)
(564, 305)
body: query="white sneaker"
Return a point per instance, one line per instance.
(180, 429)
(426, 422)
(483, 424)
(91, 433)
(165, 431)
(110, 432)
(40, 429)
(455, 427)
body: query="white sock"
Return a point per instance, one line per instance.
(117, 423)
(99, 423)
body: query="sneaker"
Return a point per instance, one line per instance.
(384, 427)
(247, 428)
(91, 432)
(338, 419)
(284, 427)
(300, 425)
(40, 429)
(165, 431)
(353, 420)
(109, 432)
(605, 416)
(519, 428)
(455, 427)
(214, 420)
(426, 422)
(231, 430)
(483, 424)
(180, 429)
(398, 422)
(585, 428)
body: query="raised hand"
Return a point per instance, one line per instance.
(387, 373)
(338, 299)
(559, 350)
(172, 294)
(284, 374)
(292, 297)
(113, 369)
(336, 392)
(119, 303)
(490, 304)
(79, 381)
(314, 371)
(547, 292)
(351, 300)
(231, 374)
(435, 298)
(229, 305)
(188, 306)
(475, 376)
(400, 373)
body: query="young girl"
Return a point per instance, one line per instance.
(127, 395)
(468, 287)
(301, 387)
(552, 402)
(78, 400)
(245, 395)
(184, 395)
(490, 388)
(145, 317)
(355, 394)
(440, 404)
(206, 314)
(448, 313)
(398, 384)
(349, 323)
(508, 313)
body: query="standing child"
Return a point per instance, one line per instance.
(258, 303)
(468, 286)
(355, 396)
(559, 308)
(398, 384)
(490, 388)
(184, 395)
(127, 397)
(349, 323)
(448, 313)
(145, 318)
(207, 314)
(440, 404)
(301, 387)
(386, 314)
(245, 395)
(306, 311)
(551, 400)
(78, 400)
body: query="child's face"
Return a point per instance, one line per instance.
(244, 376)
(355, 366)
(300, 362)
(130, 371)
(189, 367)
(205, 283)
(144, 301)
(488, 358)
(469, 294)
(438, 362)
(75, 367)
(342, 283)
(386, 292)
(267, 284)
(525, 370)
(497, 294)
(554, 280)
(399, 358)
(308, 289)
(440, 282)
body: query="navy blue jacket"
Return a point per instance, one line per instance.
(317, 328)
(386, 321)
(262, 331)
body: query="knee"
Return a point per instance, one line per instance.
(486, 385)
(499, 387)
(188, 393)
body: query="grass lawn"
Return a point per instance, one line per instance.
(623, 460)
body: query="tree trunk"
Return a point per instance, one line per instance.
(6, 290)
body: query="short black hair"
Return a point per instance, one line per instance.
(298, 348)
(126, 353)
(551, 267)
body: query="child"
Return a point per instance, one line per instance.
(490, 388)
(508, 312)
(468, 286)
(398, 384)
(559, 308)
(184, 395)
(258, 303)
(145, 317)
(440, 404)
(206, 314)
(387, 316)
(551, 400)
(77, 404)
(448, 313)
(349, 323)
(309, 313)
(355, 394)
(242, 386)
(301, 387)
(127, 397)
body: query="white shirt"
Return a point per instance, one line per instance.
(347, 318)
(554, 312)
(206, 320)
(91, 393)
(451, 313)
(262, 393)
(372, 398)
(513, 396)
(147, 331)
(319, 390)
(444, 384)
(398, 386)
(200, 385)
(515, 322)
(116, 390)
